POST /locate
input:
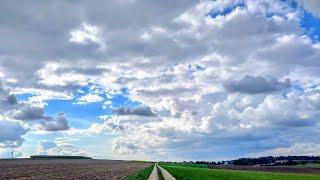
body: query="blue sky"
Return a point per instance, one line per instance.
(311, 25)
(191, 80)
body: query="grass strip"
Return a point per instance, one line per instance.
(160, 176)
(192, 173)
(141, 175)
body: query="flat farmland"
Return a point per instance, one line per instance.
(68, 169)
(193, 173)
(306, 169)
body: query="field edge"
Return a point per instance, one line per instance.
(141, 175)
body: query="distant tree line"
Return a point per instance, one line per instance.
(58, 157)
(281, 160)
(265, 161)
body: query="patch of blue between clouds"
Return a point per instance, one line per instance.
(24, 97)
(123, 99)
(83, 115)
(311, 24)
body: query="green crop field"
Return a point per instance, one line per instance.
(193, 173)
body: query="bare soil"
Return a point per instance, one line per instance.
(279, 169)
(68, 169)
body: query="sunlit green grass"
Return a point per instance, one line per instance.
(193, 173)
(141, 175)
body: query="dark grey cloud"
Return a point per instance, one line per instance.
(7, 101)
(60, 123)
(12, 99)
(256, 84)
(27, 113)
(140, 111)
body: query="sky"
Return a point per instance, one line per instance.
(160, 80)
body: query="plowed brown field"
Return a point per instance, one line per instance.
(68, 169)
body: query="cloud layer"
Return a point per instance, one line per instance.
(205, 80)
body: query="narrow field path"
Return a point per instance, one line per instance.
(154, 173)
(166, 175)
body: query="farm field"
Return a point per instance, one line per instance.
(69, 169)
(299, 169)
(193, 173)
